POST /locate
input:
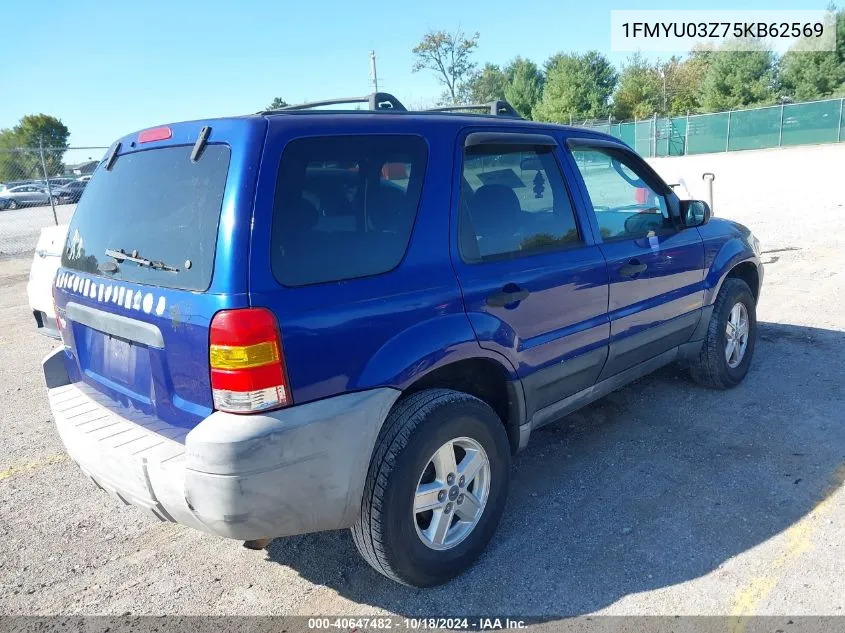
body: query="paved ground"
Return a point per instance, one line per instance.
(664, 498)
(19, 229)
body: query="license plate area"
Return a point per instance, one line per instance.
(119, 359)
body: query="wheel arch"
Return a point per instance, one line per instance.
(443, 353)
(488, 380)
(748, 272)
(735, 259)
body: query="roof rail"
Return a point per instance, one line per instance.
(374, 101)
(494, 108)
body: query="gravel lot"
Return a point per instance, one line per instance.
(663, 498)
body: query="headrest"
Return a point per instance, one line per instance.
(387, 208)
(299, 216)
(494, 204)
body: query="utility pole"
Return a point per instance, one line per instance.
(373, 73)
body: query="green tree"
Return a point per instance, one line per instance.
(487, 85)
(449, 56)
(524, 85)
(640, 90)
(31, 132)
(811, 74)
(735, 79)
(579, 86)
(42, 128)
(683, 81)
(277, 103)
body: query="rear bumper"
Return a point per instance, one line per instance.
(245, 477)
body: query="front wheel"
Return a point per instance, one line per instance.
(729, 343)
(436, 488)
(13, 204)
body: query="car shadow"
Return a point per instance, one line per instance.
(657, 484)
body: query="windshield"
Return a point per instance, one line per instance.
(157, 204)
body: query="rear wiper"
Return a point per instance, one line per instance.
(135, 258)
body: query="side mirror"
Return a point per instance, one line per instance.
(694, 213)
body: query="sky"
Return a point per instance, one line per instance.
(110, 68)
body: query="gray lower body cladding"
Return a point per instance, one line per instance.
(285, 472)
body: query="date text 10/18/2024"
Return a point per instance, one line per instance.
(459, 624)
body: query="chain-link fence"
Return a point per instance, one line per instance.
(40, 186)
(756, 128)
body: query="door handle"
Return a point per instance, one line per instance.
(504, 298)
(632, 268)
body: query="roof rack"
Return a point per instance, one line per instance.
(494, 108)
(374, 101)
(386, 102)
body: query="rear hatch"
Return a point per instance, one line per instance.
(157, 245)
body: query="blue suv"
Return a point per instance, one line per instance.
(312, 319)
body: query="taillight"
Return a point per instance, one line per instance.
(247, 364)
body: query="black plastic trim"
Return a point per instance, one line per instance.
(499, 107)
(517, 413)
(584, 397)
(376, 101)
(638, 348)
(509, 138)
(552, 384)
(115, 325)
(199, 145)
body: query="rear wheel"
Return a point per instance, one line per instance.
(729, 343)
(436, 488)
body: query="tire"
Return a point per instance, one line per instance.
(55, 201)
(13, 204)
(388, 533)
(712, 367)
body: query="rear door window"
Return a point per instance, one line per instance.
(158, 203)
(345, 206)
(514, 203)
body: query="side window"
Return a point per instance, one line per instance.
(513, 203)
(397, 173)
(625, 206)
(343, 207)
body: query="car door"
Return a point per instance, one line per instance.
(20, 194)
(32, 195)
(39, 195)
(534, 283)
(655, 268)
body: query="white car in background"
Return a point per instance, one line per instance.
(45, 263)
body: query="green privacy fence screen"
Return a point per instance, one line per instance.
(757, 128)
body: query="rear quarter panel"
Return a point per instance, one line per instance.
(384, 330)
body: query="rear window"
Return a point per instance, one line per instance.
(158, 203)
(345, 206)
